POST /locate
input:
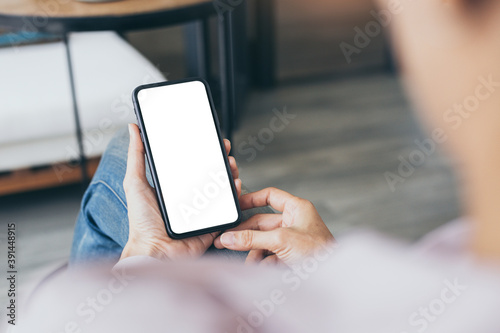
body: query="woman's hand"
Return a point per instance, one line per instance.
(147, 235)
(287, 237)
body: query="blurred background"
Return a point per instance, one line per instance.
(350, 128)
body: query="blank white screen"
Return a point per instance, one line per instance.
(187, 155)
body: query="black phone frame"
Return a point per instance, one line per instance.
(154, 175)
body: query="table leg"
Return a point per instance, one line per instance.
(389, 62)
(197, 49)
(83, 161)
(265, 45)
(226, 64)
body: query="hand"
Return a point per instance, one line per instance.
(289, 237)
(147, 235)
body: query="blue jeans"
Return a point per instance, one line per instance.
(101, 229)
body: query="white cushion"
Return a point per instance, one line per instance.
(35, 93)
(37, 126)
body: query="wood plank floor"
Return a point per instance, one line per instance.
(345, 136)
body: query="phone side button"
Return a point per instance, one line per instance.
(142, 138)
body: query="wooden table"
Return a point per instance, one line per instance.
(65, 16)
(70, 15)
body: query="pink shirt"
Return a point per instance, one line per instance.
(368, 284)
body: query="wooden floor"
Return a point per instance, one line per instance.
(345, 136)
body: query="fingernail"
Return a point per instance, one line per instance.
(227, 239)
(130, 129)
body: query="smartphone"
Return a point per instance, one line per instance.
(187, 158)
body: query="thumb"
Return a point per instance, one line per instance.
(247, 240)
(136, 165)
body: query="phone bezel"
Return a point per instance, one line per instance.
(150, 160)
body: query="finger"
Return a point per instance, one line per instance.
(218, 244)
(237, 184)
(135, 161)
(208, 239)
(227, 145)
(254, 256)
(268, 197)
(271, 260)
(263, 222)
(234, 167)
(247, 240)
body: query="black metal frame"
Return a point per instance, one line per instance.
(76, 114)
(226, 69)
(265, 76)
(199, 53)
(196, 15)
